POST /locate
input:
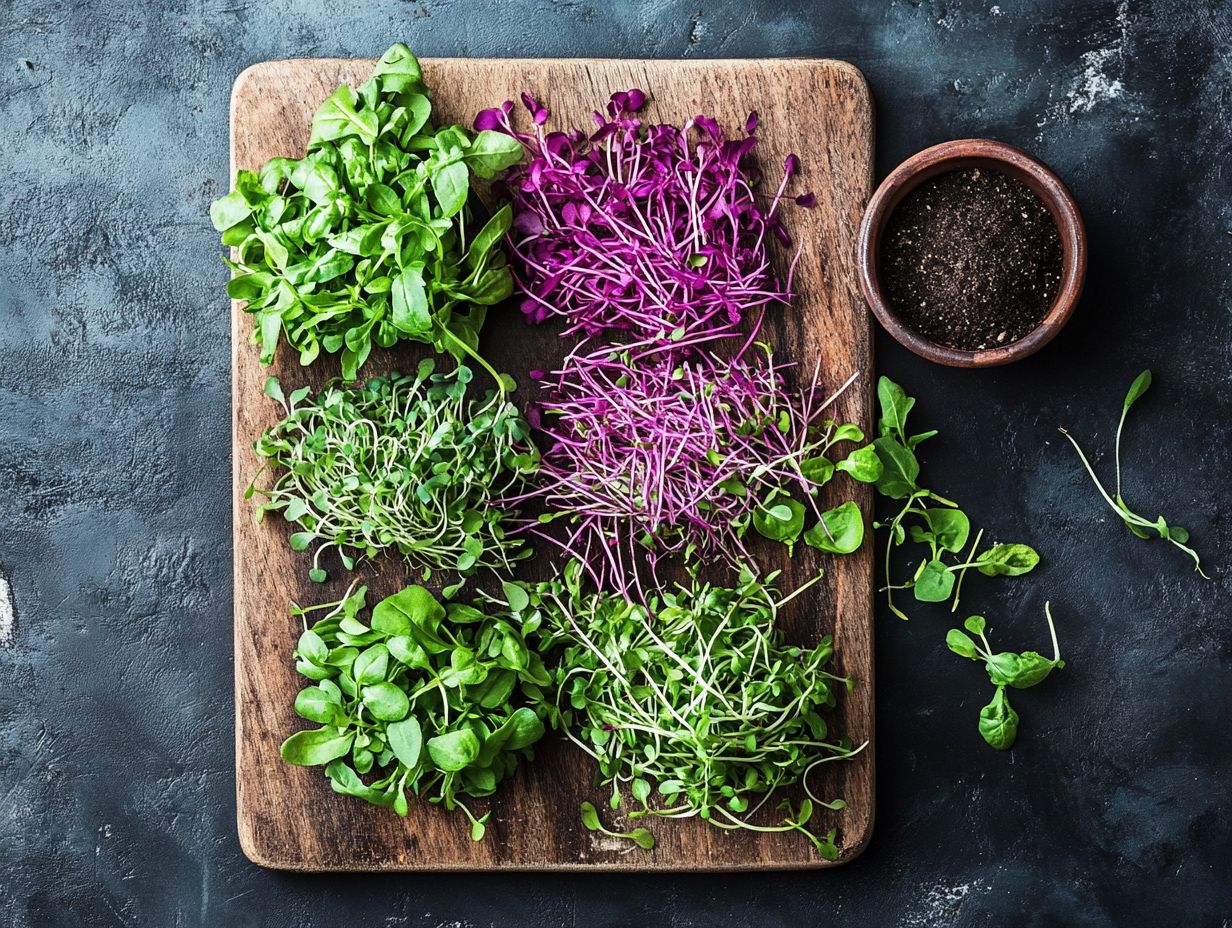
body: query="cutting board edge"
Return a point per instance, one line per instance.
(851, 71)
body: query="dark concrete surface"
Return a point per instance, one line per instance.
(116, 783)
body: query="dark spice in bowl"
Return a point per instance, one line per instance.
(971, 259)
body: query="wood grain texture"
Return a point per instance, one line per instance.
(288, 817)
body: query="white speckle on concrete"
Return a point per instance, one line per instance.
(940, 904)
(1095, 85)
(7, 616)
(995, 11)
(1099, 81)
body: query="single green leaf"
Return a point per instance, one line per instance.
(817, 469)
(479, 827)
(934, 584)
(848, 431)
(371, 665)
(1020, 670)
(273, 389)
(489, 236)
(642, 837)
(229, 210)
(641, 790)
(382, 199)
(317, 746)
(315, 705)
(961, 644)
(493, 285)
(1141, 384)
(454, 750)
(493, 152)
(329, 266)
(525, 729)
(270, 327)
(406, 741)
(451, 184)
(863, 465)
(397, 71)
(515, 596)
(782, 521)
(299, 541)
(411, 312)
(411, 608)
(418, 108)
(1011, 560)
(840, 531)
(590, 817)
(895, 405)
(950, 527)
(337, 118)
(899, 468)
(999, 721)
(386, 701)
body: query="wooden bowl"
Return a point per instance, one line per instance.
(958, 155)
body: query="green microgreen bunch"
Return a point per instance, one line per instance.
(373, 236)
(694, 705)
(998, 720)
(405, 462)
(423, 698)
(933, 520)
(1138, 525)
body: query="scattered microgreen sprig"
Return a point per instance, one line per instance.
(694, 704)
(641, 837)
(426, 699)
(935, 521)
(1138, 525)
(409, 462)
(998, 721)
(374, 235)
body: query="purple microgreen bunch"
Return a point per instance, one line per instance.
(655, 452)
(653, 229)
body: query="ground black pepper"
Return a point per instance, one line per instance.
(971, 259)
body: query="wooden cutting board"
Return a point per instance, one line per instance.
(288, 817)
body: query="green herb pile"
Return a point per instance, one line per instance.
(998, 720)
(404, 462)
(424, 699)
(373, 236)
(1138, 525)
(696, 700)
(933, 520)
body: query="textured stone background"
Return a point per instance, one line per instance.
(116, 784)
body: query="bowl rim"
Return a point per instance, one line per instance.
(955, 155)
